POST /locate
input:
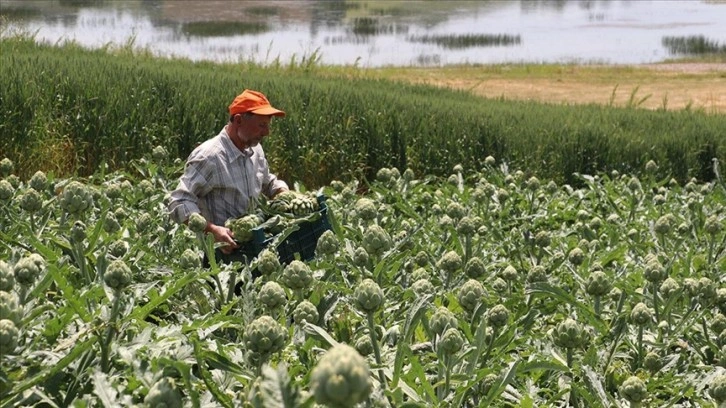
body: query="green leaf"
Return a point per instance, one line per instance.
(320, 333)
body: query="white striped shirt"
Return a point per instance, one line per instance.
(219, 180)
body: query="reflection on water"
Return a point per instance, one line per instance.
(378, 33)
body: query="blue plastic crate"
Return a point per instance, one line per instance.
(301, 242)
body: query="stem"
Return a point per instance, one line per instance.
(376, 349)
(490, 346)
(654, 289)
(110, 332)
(640, 346)
(569, 357)
(447, 375)
(597, 306)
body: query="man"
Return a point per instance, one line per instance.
(224, 174)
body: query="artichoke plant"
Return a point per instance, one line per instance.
(341, 378)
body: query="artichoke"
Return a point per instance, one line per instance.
(450, 262)
(376, 240)
(265, 336)
(305, 311)
(576, 256)
(368, 296)
(268, 262)
(328, 243)
(498, 316)
(442, 319)
(471, 294)
(717, 388)
(242, 227)
(474, 267)
(118, 275)
(641, 314)
(451, 341)
(598, 284)
(7, 279)
(6, 190)
(28, 269)
(633, 389)
(272, 295)
(190, 259)
(10, 307)
(164, 394)
(341, 378)
(8, 337)
(76, 198)
(423, 287)
(297, 275)
(569, 334)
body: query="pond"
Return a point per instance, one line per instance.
(384, 33)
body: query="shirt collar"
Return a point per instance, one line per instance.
(232, 151)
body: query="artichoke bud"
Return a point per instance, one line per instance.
(717, 388)
(423, 287)
(272, 295)
(498, 316)
(28, 268)
(634, 390)
(450, 262)
(9, 335)
(6, 190)
(31, 201)
(442, 319)
(265, 335)
(10, 307)
(451, 341)
(197, 223)
(569, 334)
(78, 232)
(510, 274)
(268, 262)
(6, 166)
(474, 267)
(297, 275)
(164, 393)
(327, 244)
(118, 275)
(7, 279)
(641, 314)
(305, 311)
(471, 294)
(368, 296)
(190, 259)
(341, 378)
(598, 284)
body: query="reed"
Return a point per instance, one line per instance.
(73, 111)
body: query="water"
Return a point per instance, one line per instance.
(378, 33)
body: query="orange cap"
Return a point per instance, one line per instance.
(255, 102)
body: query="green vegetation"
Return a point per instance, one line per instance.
(70, 111)
(468, 40)
(216, 28)
(482, 289)
(694, 45)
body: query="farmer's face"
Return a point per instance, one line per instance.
(253, 128)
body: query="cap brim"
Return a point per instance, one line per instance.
(268, 111)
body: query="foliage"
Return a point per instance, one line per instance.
(83, 324)
(71, 111)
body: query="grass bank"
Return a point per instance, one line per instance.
(68, 110)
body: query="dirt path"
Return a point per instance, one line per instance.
(698, 86)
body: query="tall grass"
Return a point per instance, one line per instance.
(73, 111)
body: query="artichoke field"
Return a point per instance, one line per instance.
(488, 288)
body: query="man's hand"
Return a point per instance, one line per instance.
(223, 235)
